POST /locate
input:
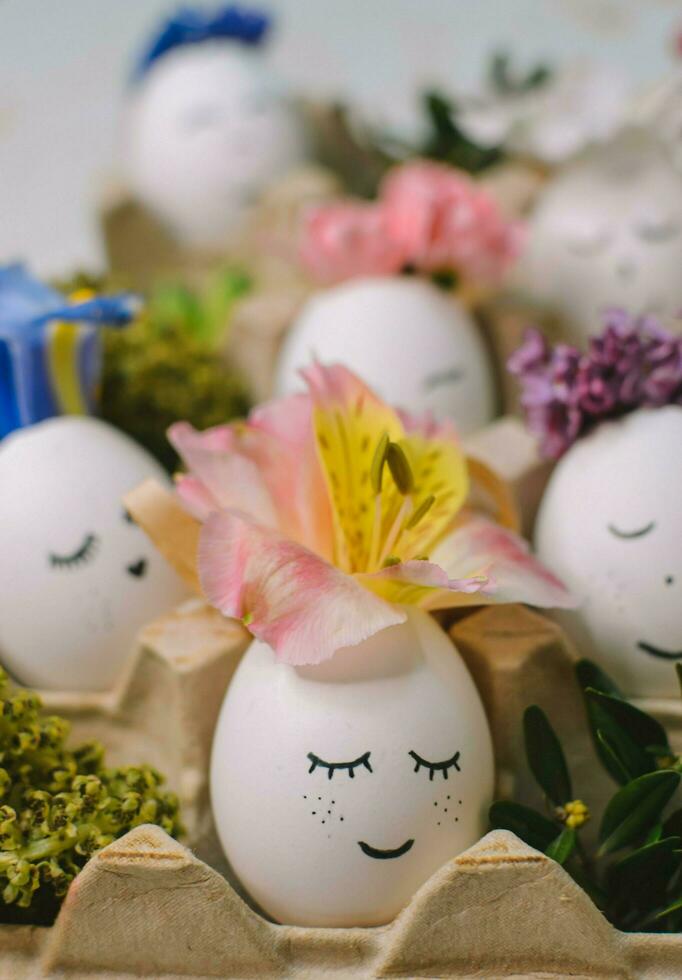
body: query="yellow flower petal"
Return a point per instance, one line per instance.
(349, 422)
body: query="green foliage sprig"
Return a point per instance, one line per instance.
(634, 872)
(59, 805)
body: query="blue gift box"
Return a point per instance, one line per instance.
(50, 349)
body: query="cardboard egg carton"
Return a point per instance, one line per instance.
(146, 906)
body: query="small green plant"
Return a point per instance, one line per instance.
(634, 872)
(58, 805)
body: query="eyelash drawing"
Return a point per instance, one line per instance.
(629, 535)
(350, 767)
(439, 378)
(434, 767)
(85, 553)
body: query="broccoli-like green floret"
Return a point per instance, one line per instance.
(58, 805)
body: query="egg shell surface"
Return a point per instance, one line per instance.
(77, 578)
(416, 347)
(209, 128)
(606, 233)
(610, 526)
(339, 789)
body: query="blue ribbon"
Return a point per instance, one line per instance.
(193, 26)
(29, 392)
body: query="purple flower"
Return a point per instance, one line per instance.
(634, 363)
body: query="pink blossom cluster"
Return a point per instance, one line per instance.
(428, 218)
(634, 363)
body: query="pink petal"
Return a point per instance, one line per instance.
(198, 500)
(303, 607)
(480, 547)
(228, 476)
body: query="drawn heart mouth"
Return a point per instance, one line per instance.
(374, 852)
(657, 652)
(138, 568)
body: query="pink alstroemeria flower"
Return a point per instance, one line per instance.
(324, 514)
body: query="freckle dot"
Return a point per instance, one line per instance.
(446, 809)
(333, 802)
(448, 797)
(456, 819)
(460, 802)
(435, 802)
(329, 811)
(324, 821)
(439, 823)
(319, 797)
(341, 819)
(314, 812)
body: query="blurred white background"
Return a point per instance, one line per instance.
(65, 64)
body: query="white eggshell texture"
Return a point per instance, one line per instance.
(294, 836)
(209, 128)
(415, 346)
(608, 232)
(77, 579)
(610, 526)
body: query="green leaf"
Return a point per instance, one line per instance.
(619, 769)
(643, 875)
(678, 670)
(656, 834)
(546, 757)
(589, 675)
(537, 831)
(629, 733)
(562, 846)
(635, 807)
(676, 906)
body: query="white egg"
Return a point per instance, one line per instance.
(607, 232)
(339, 789)
(610, 526)
(77, 578)
(209, 128)
(415, 346)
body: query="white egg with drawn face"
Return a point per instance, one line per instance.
(415, 346)
(77, 577)
(607, 232)
(610, 526)
(210, 127)
(339, 789)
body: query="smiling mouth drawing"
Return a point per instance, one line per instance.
(374, 852)
(137, 568)
(657, 652)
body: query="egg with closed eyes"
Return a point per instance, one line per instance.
(77, 578)
(610, 525)
(209, 128)
(607, 231)
(339, 788)
(417, 347)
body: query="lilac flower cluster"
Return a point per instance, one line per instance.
(634, 363)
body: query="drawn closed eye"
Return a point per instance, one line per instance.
(332, 767)
(663, 230)
(434, 767)
(83, 554)
(439, 378)
(630, 535)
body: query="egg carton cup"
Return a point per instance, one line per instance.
(164, 708)
(146, 906)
